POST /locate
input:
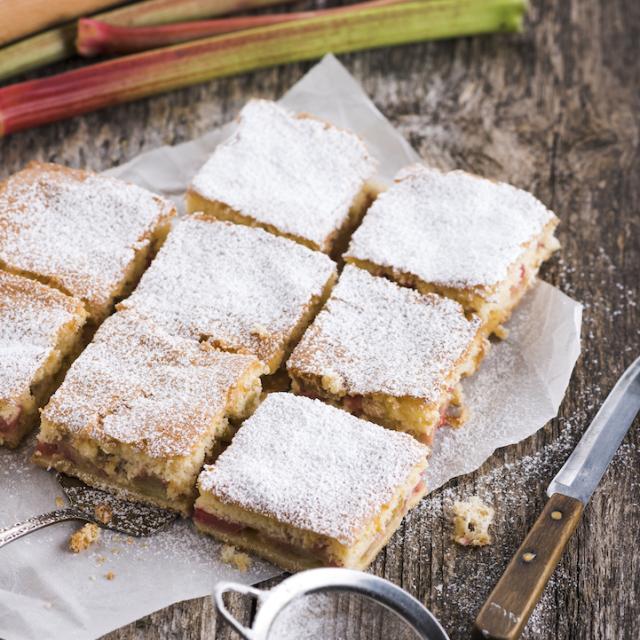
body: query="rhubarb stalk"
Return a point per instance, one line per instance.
(37, 102)
(22, 18)
(58, 44)
(96, 37)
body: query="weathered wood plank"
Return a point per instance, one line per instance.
(555, 111)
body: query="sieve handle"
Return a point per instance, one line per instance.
(233, 587)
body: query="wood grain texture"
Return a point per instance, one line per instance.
(555, 110)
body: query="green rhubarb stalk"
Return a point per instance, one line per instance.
(58, 44)
(37, 102)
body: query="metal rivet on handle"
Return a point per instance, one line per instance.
(556, 515)
(528, 556)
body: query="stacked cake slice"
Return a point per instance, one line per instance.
(71, 244)
(464, 237)
(293, 175)
(304, 485)
(140, 410)
(238, 288)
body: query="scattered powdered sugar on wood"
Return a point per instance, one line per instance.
(377, 337)
(297, 174)
(76, 228)
(135, 384)
(240, 287)
(313, 466)
(452, 229)
(31, 317)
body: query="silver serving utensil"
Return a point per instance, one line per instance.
(273, 602)
(131, 518)
(506, 611)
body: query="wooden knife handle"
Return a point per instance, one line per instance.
(506, 611)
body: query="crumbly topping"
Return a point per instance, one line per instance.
(31, 316)
(76, 228)
(298, 174)
(137, 385)
(313, 466)
(240, 287)
(374, 336)
(103, 513)
(471, 522)
(83, 538)
(229, 555)
(452, 229)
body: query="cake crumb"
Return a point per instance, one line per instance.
(240, 561)
(471, 522)
(110, 575)
(59, 502)
(103, 513)
(83, 538)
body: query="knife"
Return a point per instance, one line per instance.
(507, 610)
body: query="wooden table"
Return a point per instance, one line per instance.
(555, 110)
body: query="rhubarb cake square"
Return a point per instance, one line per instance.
(40, 331)
(389, 354)
(139, 411)
(88, 235)
(304, 484)
(474, 240)
(291, 174)
(238, 288)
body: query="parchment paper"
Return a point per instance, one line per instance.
(47, 592)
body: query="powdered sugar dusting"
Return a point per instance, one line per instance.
(31, 315)
(79, 229)
(243, 288)
(378, 337)
(312, 466)
(298, 174)
(135, 384)
(453, 229)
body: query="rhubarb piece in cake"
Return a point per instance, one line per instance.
(389, 354)
(139, 411)
(304, 484)
(293, 175)
(87, 235)
(239, 288)
(40, 331)
(477, 241)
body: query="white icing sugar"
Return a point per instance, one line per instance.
(298, 174)
(135, 384)
(78, 229)
(313, 466)
(31, 316)
(453, 229)
(241, 287)
(377, 337)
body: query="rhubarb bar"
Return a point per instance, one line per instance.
(293, 175)
(88, 235)
(40, 331)
(389, 354)
(139, 411)
(304, 485)
(238, 288)
(477, 241)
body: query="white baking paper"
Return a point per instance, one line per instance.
(47, 592)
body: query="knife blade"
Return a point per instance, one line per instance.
(583, 470)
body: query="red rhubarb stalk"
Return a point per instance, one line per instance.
(37, 102)
(96, 37)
